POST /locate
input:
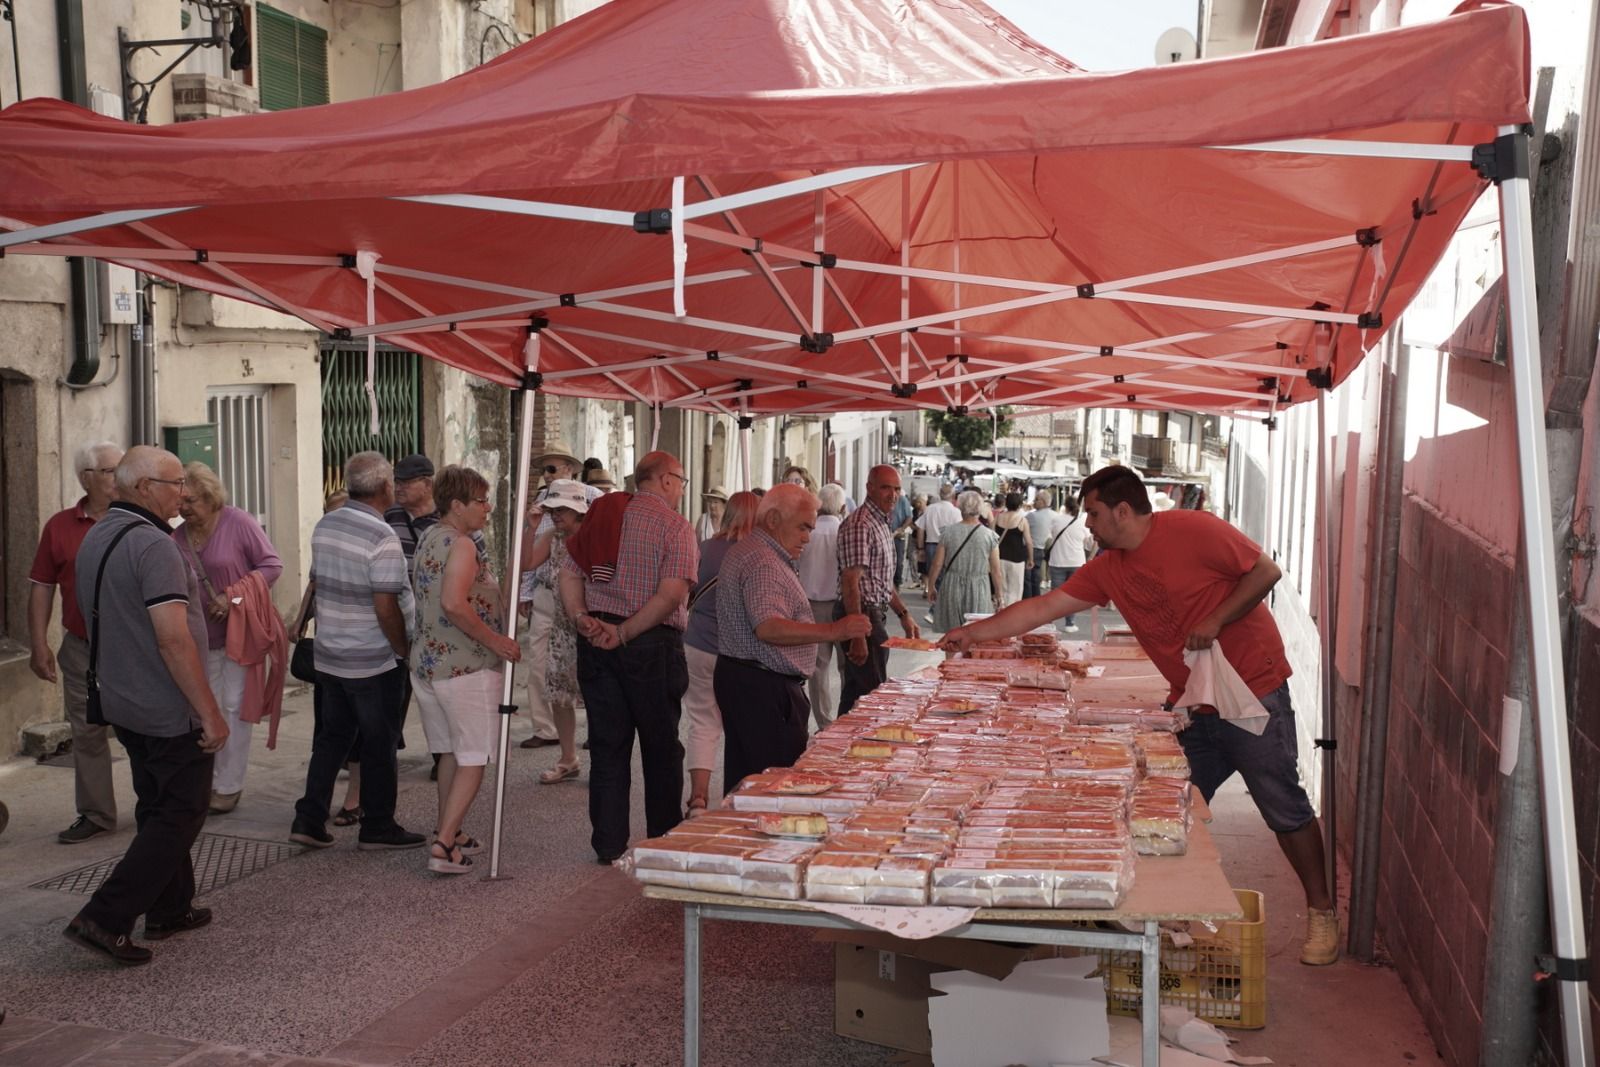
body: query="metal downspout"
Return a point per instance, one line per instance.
(1375, 742)
(84, 308)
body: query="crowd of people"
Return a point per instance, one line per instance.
(770, 615)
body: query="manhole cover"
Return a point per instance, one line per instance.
(217, 859)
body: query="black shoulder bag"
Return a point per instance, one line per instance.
(93, 712)
(946, 568)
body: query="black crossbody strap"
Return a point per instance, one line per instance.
(946, 568)
(94, 613)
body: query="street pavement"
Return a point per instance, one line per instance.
(339, 956)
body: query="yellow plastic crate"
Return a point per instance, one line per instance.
(1222, 977)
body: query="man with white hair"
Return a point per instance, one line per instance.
(362, 602)
(53, 565)
(147, 677)
(1041, 521)
(766, 637)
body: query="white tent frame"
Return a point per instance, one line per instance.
(1511, 176)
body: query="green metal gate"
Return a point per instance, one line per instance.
(345, 412)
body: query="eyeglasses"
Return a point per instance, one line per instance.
(180, 482)
(99, 470)
(674, 474)
(551, 468)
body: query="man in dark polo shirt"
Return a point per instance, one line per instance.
(153, 690)
(53, 566)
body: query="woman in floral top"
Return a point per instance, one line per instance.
(456, 655)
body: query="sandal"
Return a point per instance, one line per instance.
(348, 816)
(560, 773)
(448, 859)
(696, 808)
(468, 844)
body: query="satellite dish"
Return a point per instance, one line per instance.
(1176, 45)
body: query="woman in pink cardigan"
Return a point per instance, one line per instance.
(223, 544)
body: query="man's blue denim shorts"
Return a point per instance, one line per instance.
(1269, 764)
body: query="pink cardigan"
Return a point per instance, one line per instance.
(256, 636)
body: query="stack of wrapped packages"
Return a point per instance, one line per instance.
(985, 786)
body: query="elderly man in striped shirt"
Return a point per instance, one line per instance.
(866, 586)
(768, 637)
(631, 667)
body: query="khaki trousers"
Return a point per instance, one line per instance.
(91, 750)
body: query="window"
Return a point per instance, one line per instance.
(291, 60)
(240, 413)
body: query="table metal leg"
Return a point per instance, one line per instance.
(1150, 1000)
(691, 985)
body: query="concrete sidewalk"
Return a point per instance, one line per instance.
(346, 957)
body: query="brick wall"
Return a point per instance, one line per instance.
(1454, 596)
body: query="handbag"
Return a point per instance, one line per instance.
(945, 570)
(93, 712)
(303, 661)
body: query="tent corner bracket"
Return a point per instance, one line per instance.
(655, 220)
(1502, 158)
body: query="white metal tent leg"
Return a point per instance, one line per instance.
(513, 562)
(1328, 741)
(1555, 768)
(744, 441)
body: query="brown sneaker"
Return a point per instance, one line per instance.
(222, 803)
(1322, 938)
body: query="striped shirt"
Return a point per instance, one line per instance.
(759, 582)
(354, 554)
(657, 544)
(865, 541)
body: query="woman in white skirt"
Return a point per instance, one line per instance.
(457, 656)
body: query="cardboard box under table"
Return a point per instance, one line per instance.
(1187, 887)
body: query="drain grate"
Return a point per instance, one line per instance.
(218, 860)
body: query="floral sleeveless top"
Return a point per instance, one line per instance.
(440, 650)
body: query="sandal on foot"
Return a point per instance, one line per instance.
(697, 807)
(469, 845)
(348, 816)
(447, 859)
(560, 773)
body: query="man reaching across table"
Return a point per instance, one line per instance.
(1183, 580)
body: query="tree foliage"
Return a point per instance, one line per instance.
(966, 434)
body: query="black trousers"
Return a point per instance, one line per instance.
(368, 708)
(633, 690)
(155, 878)
(857, 681)
(764, 716)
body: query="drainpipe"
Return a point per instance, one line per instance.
(84, 312)
(1375, 690)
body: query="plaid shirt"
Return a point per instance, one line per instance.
(865, 541)
(760, 582)
(656, 544)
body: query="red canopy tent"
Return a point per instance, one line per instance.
(754, 206)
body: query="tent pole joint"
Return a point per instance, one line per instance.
(826, 260)
(903, 390)
(341, 333)
(1561, 968)
(816, 343)
(1503, 158)
(508, 709)
(746, 421)
(347, 260)
(655, 220)
(531, 381)
(1086, 290)
(1320, 377)
(1368, 236)
(1370, 320)
(538, 324)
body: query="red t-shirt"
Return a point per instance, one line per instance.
(53, 562)
(1190, 562)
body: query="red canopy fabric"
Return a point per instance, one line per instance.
(1031, 174)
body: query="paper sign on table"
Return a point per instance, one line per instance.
(912, 923)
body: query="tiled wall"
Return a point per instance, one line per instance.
(1454, 596)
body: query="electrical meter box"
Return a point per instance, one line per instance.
(190, 443)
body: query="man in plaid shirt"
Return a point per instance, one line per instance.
(866, 587)
(767, 638)
(630, 657)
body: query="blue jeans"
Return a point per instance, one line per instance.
(635, 689)
(1031, 581)
(1057, 576)
(371, 709)
(1269, 764)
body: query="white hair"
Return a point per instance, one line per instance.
(141, 462)
(830, 499)
(946, 491)
(1043, 499)
(86, 457)
(366, 473)
(970, 503)
(784, 500)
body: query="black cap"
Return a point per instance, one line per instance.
(414, 466)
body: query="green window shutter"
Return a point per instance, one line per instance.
(291, 60)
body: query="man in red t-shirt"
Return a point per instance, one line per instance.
(1183, 580)
(53, 565)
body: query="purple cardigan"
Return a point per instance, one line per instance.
(237, 546)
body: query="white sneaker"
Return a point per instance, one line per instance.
(1069, 629)
(928, 618)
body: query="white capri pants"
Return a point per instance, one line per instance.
(705, 718)
(226, 679)
(459, 714)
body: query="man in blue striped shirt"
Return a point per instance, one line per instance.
(362, 603)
